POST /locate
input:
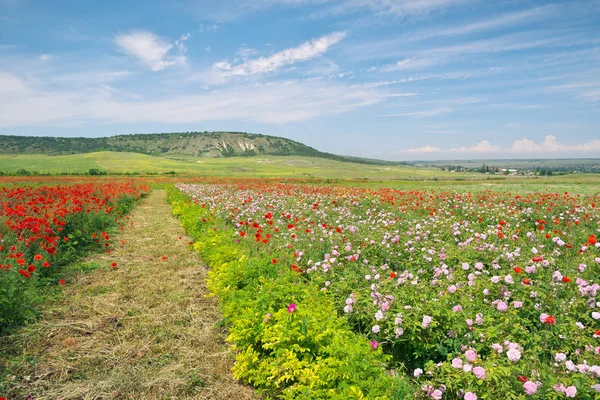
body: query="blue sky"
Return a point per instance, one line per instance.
(391, 79)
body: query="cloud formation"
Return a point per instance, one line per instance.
(24, 104)
(151, 49)
(549, 146)
(425, 113)
(390, 8)
(304, 52)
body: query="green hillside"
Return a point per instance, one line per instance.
(259, 166)
(197, 144)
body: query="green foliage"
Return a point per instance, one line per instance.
(308, 354)
(96, 171)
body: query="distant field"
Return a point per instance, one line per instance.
(558, 164)
(260, 167)
(282, 168)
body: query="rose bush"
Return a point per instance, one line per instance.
(471, 295)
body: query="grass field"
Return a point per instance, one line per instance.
(282, 169)
(260, 167)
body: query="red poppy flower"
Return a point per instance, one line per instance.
(31, 268)
(518, 270)
(522, 378)
(566, 279)
(46, 264)
(393, 275)
(550, 320)
(537, 259)
(61, 282)
(24, 273)
(114, 265)
(37, 257)
(274, 261)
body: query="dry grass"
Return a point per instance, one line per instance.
(145, 330)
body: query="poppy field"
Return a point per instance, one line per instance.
(44, 228)
(344, 292)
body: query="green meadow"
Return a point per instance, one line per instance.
(256, 167)
(304, 169)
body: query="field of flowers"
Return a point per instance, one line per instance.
(338, 292)
(44, 228)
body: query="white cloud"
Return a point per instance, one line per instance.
(150, 49)
(304, 52)
(587, 90)
(549, 146)
(11, 85)
(500, 21)
(183, 38)
(425, 149)
(415, 63)
(90, 77)
(498, 44)
(393, 8)
(247, 52)
(22, 104)
(208, 28)
(45, 57)
(590, 95)
(481, 147)
(384, 8)
(405, 94)
(425, 113)
(404, 7)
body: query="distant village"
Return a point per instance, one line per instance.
(495, 170)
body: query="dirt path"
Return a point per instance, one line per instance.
(145, 330)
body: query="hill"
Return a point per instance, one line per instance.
(196, 144)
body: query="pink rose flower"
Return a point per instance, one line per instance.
(479, 372)
(571, 391)
(426, 321)
(530, 388)
(457, 363)
(470, 355)
(470, 396)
